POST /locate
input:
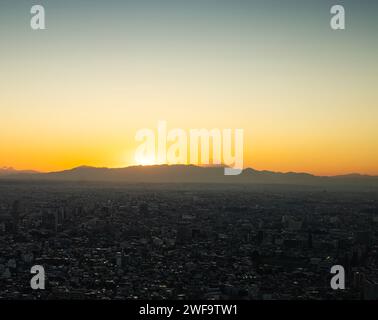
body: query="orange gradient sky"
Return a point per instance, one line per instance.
(75, 94)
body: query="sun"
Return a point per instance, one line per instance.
(145, 160)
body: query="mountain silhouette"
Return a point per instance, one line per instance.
(187, 174)
(7, 171)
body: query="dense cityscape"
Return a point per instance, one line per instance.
(187, 241)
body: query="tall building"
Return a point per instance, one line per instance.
(15, 215)
(370, 289)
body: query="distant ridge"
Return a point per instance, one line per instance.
(6, 171)
(186, 174)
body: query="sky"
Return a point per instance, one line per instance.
(77, 93)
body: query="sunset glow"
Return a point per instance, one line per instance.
(76, 93)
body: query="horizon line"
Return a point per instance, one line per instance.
(31, 171)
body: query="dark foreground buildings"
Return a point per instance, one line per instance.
(186, 241)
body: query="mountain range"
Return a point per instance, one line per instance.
(187, 174)
(9, 171)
